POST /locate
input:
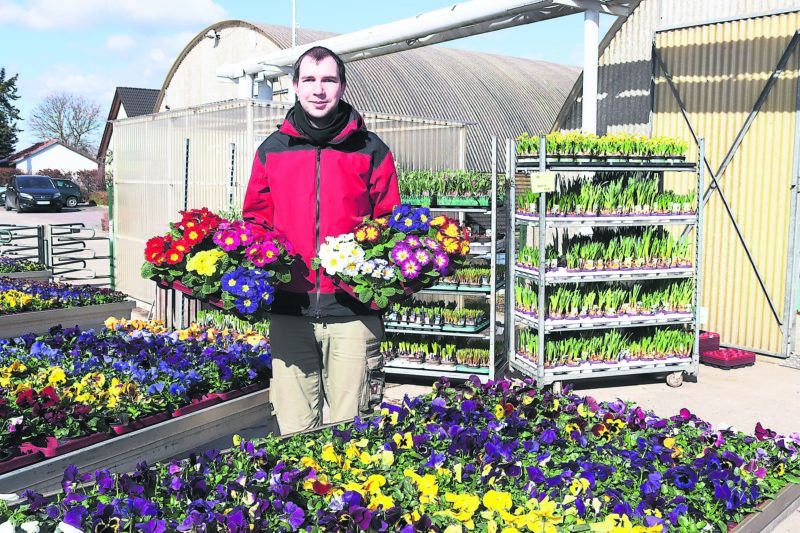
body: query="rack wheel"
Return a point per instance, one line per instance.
(675, 379)
(557, 387)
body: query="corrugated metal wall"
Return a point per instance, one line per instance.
(149, 155)
(720, 70)
(625, 62)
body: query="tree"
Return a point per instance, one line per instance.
(69, 118)
(8, 114)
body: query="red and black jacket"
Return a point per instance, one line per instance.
(307, 193)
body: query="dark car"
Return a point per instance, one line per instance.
(32, 192)
(2, 194)
(70, 192)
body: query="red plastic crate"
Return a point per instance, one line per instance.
(709, 341)
(728, 358)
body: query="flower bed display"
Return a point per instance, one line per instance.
(388, 259)
(227, 263)
(70, 383)
(15, 268)
(30, 306)
(501, 457)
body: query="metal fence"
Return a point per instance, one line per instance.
(201, 157)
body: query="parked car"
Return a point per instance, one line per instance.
(2, 194)
(32, 192)
(70, 192)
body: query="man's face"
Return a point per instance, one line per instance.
(318, 87)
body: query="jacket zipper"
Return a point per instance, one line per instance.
(319, 270)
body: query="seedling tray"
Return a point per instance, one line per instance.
(709, 341)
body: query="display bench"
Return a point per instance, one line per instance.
(554, 341)
(173, 437)
(87, 317)
(487, 332)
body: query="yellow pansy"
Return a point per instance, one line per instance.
(427, 485)
(403, 441)
(308, 461)
(499, 411)
(330, 455)
(454, 528)
(387, 457)
(464, 507)
(497, 500)
(578, 486)
(380, 499)
(56, 376)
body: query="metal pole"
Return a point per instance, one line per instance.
(186, 174)
(591, 22)
(793, 262)
(294, 23)
(231, 173)
(493, 255)
(542, 245)
(698, 258)
(508, 322)
(511, 252)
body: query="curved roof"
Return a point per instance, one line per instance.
(502, 95)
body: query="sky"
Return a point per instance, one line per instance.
(90, 47)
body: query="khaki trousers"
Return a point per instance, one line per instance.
(336, 359)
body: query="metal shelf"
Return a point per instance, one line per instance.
(623, 369)
(604, 221)
(420, 369)
(562, 276)
(483, 209)
(460, 292)
(531, 164)
(438, 332)
(543, 278)
(550, 326)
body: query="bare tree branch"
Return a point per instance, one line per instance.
(69, 118)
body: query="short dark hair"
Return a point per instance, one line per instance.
(318, 53)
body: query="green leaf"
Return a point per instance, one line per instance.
(381, 301)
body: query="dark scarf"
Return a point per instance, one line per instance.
(327, 128)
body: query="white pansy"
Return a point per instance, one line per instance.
(30, 527)
(7, 527)
(63, 527)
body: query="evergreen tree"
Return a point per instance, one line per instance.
(8, 114)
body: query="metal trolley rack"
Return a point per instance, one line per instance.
(493, 331)
(542, 279)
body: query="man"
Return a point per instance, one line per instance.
(318, 176)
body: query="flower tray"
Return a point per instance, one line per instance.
(728, 358)
(180, 287)
(143, 422)
(174, 438)
(462, 201)
(19, 461)
(709, 341)
(53, 448)
(247, 389)
(87, 317)
(33, 275)
(197, 405)
(466, 329)
(424, 201)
